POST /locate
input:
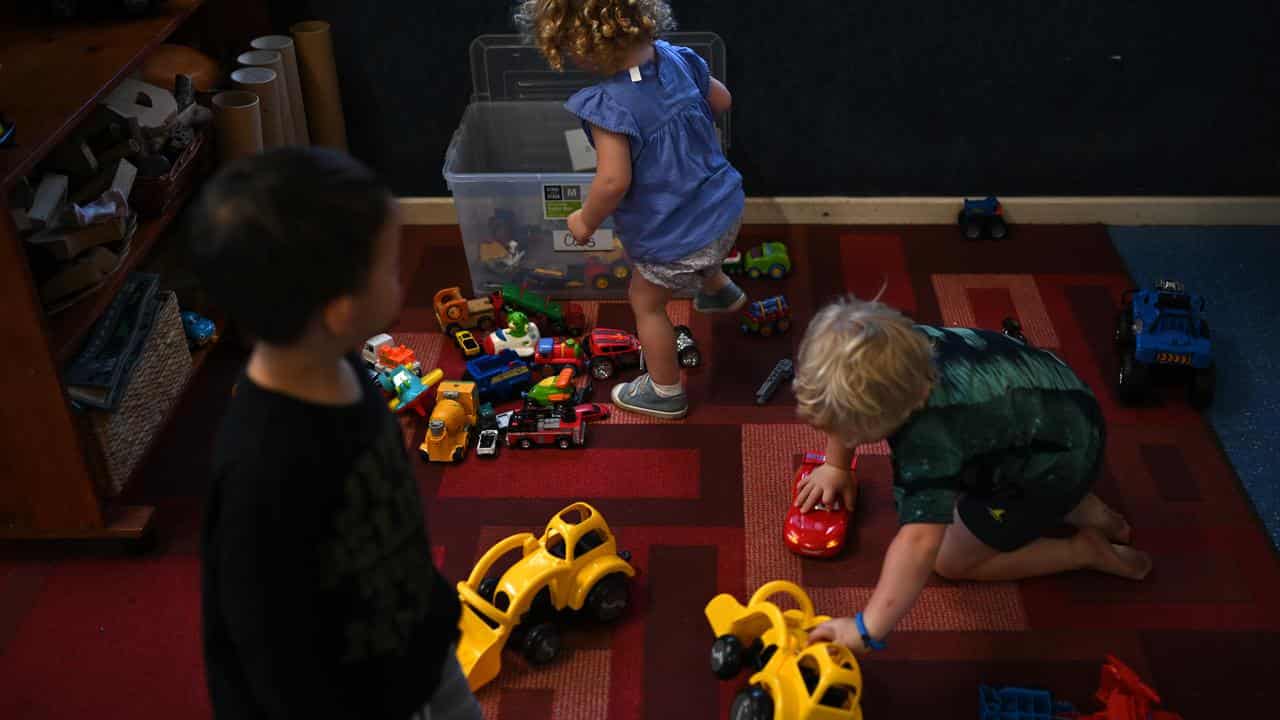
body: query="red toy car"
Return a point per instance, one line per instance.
(612, 350)
(531, 428)
(556, 354)
(821, 531)
(592, 411)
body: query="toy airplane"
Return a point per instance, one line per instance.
(408, 391)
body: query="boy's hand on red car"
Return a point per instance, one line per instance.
(825, 484)
(842, 631)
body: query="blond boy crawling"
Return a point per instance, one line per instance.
(993, 443)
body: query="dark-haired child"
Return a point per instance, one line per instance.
(320, 598)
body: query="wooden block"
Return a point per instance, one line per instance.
(84, 272)
(152, 106)
(75, 158)
(51, 194)
(118, 174)
(126, 172)
(67, 243)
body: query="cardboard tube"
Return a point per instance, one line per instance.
(283, 44)
(238, 119)
(320, 84)
(262, 82)
(275, 62)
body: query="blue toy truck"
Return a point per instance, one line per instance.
(1164, 328)
(1015, 703)
(985, 217)
(499, 377)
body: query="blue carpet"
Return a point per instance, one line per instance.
(1237, 271)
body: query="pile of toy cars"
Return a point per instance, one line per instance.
(509, 359)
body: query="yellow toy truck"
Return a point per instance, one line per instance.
(449, 428)
(575, 565)
(792, 680)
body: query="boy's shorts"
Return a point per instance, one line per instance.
(1050, 485)
(688, 273)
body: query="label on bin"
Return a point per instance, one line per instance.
(602, 240)
(560, 201)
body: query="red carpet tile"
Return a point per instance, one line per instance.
(700, 504)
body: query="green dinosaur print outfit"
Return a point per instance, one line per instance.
(1010, 438)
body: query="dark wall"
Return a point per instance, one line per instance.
(885, 97)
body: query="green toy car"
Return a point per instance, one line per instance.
(768, 258)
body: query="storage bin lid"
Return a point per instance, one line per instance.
(506, 67)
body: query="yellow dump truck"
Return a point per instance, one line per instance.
(449, 428)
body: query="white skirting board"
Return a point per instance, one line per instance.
(1204, 210)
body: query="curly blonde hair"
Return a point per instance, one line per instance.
(862, 370)
(598, 35)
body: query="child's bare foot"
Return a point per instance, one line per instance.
(1104, 556)
(1093, 513)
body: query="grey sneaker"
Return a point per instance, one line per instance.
(727, 299)
(638, 396)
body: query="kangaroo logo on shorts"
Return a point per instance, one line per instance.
(996, 514)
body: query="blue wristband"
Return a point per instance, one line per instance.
(866, 636)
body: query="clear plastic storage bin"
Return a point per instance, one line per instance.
(513, 177)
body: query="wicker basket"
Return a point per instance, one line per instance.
(158, 378)
(152, 197)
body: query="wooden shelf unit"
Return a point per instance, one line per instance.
(51, 77)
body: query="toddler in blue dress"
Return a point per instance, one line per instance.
(675, 199)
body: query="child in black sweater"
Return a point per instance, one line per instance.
(319, 594)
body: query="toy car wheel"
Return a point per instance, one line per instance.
(563, 443)
(602, 282)
(970, 227)
(425, 457)
(997, 229)
(754, 273)
(784, 324)
(1132, 381)
(727, 657)
(458, 454)
(752, 703)
(525, 443)
(541, 644)
(690, 358)
(602, 368)
(766, 330)
(609, 598)
(777, 272)
(745, 328)
(1202, 387)
(1124, 328)
(488, 588)
(621, 271)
